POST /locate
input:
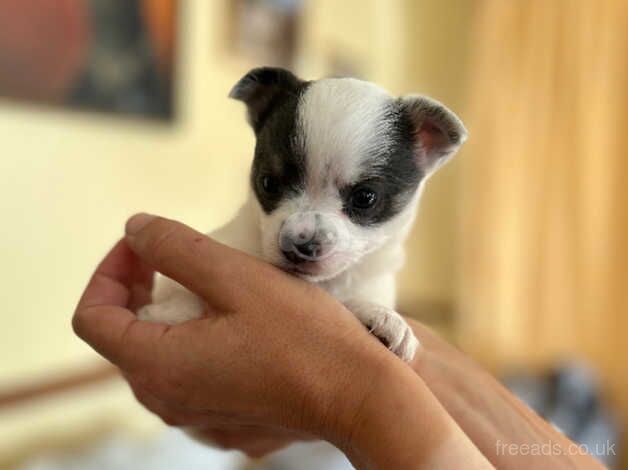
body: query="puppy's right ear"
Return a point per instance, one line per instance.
(261, 89)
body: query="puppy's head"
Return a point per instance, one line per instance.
(338, 165)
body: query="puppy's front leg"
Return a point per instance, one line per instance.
(387, 325)
(180, 306)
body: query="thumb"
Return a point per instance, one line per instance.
(102, 320)
(117, 335)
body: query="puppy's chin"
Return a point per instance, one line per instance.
(312, 275)
(314, 271)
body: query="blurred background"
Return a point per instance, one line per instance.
(519, 256)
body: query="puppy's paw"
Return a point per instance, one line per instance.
(395, 333)
(388, 326)
(178, 309)
(154, 313)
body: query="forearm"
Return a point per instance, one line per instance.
(401, 425)
(507, 432)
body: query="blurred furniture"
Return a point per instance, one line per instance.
(569, 397)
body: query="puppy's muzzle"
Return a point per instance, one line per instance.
(308, 236)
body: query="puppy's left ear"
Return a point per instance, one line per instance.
(438, 133)
(261, 89)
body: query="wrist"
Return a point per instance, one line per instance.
(375, 430)
(392, 420)
(333, 388)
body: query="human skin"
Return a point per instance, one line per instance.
(277, 359)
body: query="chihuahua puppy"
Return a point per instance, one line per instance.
(338, 170)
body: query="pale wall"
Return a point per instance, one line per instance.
(437, 54)
(68, 181)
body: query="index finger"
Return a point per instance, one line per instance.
(216, 272)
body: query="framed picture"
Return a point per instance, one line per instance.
(114, 56)
(264, 31)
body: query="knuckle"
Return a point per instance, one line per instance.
(223, 440)
(197, 246)
(77, 323)
(160, 242)
(255, 453)
(141, 397)
(170, 420)
(144, 382)
(81, 322)
(168, 385)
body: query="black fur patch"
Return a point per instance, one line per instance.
(261, 89)
(276, 153)
(393, 175)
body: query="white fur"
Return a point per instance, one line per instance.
(341, 120)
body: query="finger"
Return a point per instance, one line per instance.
(142, 284)
(208, 268)
(117, 335)
(140, 296)
(109, 284)
(101, 317)
(116, 277)
(259, 448)
(254, 444)
(171, 415)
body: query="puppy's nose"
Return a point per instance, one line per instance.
(300, 249)
(311, 250)
(308, 236)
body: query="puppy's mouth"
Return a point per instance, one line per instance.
(312, 271)
(306, 268)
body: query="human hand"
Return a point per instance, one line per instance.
(492, 417)
(274, 358)
(282, 311)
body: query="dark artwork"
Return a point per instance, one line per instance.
(104, 55)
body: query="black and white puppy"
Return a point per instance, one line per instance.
(338, 171)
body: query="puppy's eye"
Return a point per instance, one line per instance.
(271, 185)
(363, 198)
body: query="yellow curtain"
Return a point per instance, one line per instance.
(545, 186)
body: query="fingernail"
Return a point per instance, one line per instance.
(137, 223)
